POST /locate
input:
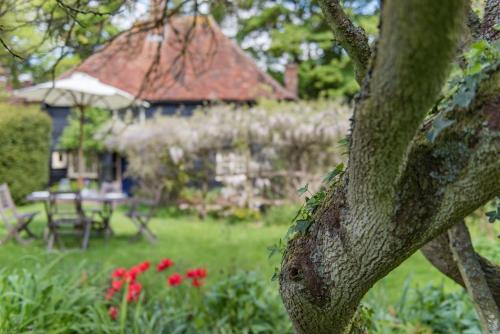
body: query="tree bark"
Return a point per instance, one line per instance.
(491, 18)
(353, 39)
(474, 279)
(439, 254)
(401, 189)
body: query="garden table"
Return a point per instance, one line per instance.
(108, 201)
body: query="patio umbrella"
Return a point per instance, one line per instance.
(79, 90)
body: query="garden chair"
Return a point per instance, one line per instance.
(14, 222)
(140, 212)
(100, 216)
(66, 217)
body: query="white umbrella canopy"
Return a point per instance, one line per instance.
(79, 90)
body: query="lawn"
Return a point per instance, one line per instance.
(215, 244)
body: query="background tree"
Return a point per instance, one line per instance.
(284, 31)
(95, 119)
(45, 38)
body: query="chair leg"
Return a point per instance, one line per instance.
(86, 235)
(108, 233)
(13, 234)
(144, 230)
(29, 232)
(50, 240)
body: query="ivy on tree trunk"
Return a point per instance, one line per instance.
(417, 165)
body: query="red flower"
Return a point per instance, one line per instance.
(164, 264)
(196, 273)
(134, 290)
(193, 273)
(118, 273)
(144, 266)
(113, 312)
(202, 273)
(117, 285)
(131, 275)
(197, 283)
(175, 279)
(110, 294)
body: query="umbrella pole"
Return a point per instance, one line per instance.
(80, 149)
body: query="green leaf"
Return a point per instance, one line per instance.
(438, 126)
(302, 225)
(303, 190)
(330, 176)
(274, 249)
(493, 216)
(276, 274)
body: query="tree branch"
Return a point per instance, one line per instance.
(417, 44)
(447, 179)
(353, 39)
(439, 254)
(472, 274)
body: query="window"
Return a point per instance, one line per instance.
(59, 160)
(90, 166)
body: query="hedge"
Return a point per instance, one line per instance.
(25, 134)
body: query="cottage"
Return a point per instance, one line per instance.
(176, 68)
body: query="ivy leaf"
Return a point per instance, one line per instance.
(493, 216)
(274, 249)
(303, 190)
(302, 225)
(438, 125)
(344, 143)
(276, 274)
(330, 176)
(465, 94)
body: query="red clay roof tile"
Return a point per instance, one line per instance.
(208, 67)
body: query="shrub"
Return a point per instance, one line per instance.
(243, 304)
(39, 301)
(143, 299)
(427, 310)
(24, 149)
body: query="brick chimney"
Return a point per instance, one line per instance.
(292, 78)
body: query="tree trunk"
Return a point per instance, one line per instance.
(401, 189)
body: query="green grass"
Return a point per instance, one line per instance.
(220, 247)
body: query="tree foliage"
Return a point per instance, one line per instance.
(94, 119)
(45, 38)
(280, 31)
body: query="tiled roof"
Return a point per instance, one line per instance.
(209, 67)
